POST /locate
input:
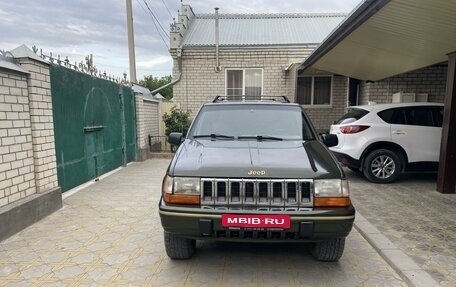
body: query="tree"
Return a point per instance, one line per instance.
(153, 83)
(176, 121)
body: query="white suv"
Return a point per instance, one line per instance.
(383, 140)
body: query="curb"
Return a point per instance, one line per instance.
(78, 188)
(153, 155)
(413, 274)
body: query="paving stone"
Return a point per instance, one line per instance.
(415, 217)
(109, 234)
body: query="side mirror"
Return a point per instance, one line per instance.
(330, 140)
(175, 138)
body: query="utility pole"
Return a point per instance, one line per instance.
(131, 42)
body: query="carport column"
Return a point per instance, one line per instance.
(40, 102)
(446, 181)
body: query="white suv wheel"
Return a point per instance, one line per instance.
(382, 166)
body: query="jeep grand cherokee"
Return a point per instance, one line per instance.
(254, 171)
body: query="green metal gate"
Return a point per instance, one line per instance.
(94, 125)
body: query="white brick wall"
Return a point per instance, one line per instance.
(200, 83)
(147, 120)
(17, 178)
(27, 153)
(42, 138)
(139, 121)
(151, 118)
(430, 80)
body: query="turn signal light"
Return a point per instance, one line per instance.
(180, 190)
(181, 198)
(332, 201)
(353, 129)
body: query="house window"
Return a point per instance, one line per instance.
(244, 82)
(314, 90)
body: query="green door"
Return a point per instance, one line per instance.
(94, 125)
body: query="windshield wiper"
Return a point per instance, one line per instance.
(260, 138)
(214, 136)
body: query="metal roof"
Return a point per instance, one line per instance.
(8, 62)
(11, 66)
(261, 29)
(382, 38)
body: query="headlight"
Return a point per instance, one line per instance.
(331, 192)
(328, 187)
(186, 185)
(181, 190)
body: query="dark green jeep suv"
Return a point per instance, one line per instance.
(255, 171)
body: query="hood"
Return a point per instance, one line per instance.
(267, 159)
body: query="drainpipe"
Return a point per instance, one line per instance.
(217, 67)
(179, 62)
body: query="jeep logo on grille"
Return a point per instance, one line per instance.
(256, 172)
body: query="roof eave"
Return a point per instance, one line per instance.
(236, 47)
(356, 18)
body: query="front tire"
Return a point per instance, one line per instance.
(382, 166)
(330, 250)
(178, 247)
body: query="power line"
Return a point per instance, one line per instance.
(153, 15)
(153, 21)
(169, 12)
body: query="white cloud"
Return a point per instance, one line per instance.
(79, 28)
(82, 30)
(153, 63)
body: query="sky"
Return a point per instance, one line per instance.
(76, 28)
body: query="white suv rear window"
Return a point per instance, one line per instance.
(352, 116)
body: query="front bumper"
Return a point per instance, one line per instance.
(307, 224)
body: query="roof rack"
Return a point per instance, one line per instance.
(281, 99)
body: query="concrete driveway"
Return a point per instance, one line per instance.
(109, 234)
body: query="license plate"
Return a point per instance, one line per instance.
(281, 221)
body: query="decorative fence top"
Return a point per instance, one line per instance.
(86, 66)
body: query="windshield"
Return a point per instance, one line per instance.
(251, 122)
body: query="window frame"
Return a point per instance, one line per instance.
(243, 80)
(311, 105)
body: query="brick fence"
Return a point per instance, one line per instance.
(28, 174)
(147, 116)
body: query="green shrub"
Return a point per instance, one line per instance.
(176, 121)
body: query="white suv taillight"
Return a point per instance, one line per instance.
(353, 129)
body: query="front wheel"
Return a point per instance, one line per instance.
(330, 250)
(382, 166)
(178, 247)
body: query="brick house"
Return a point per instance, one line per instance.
(260, 54)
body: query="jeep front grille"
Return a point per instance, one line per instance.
(256, 192)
